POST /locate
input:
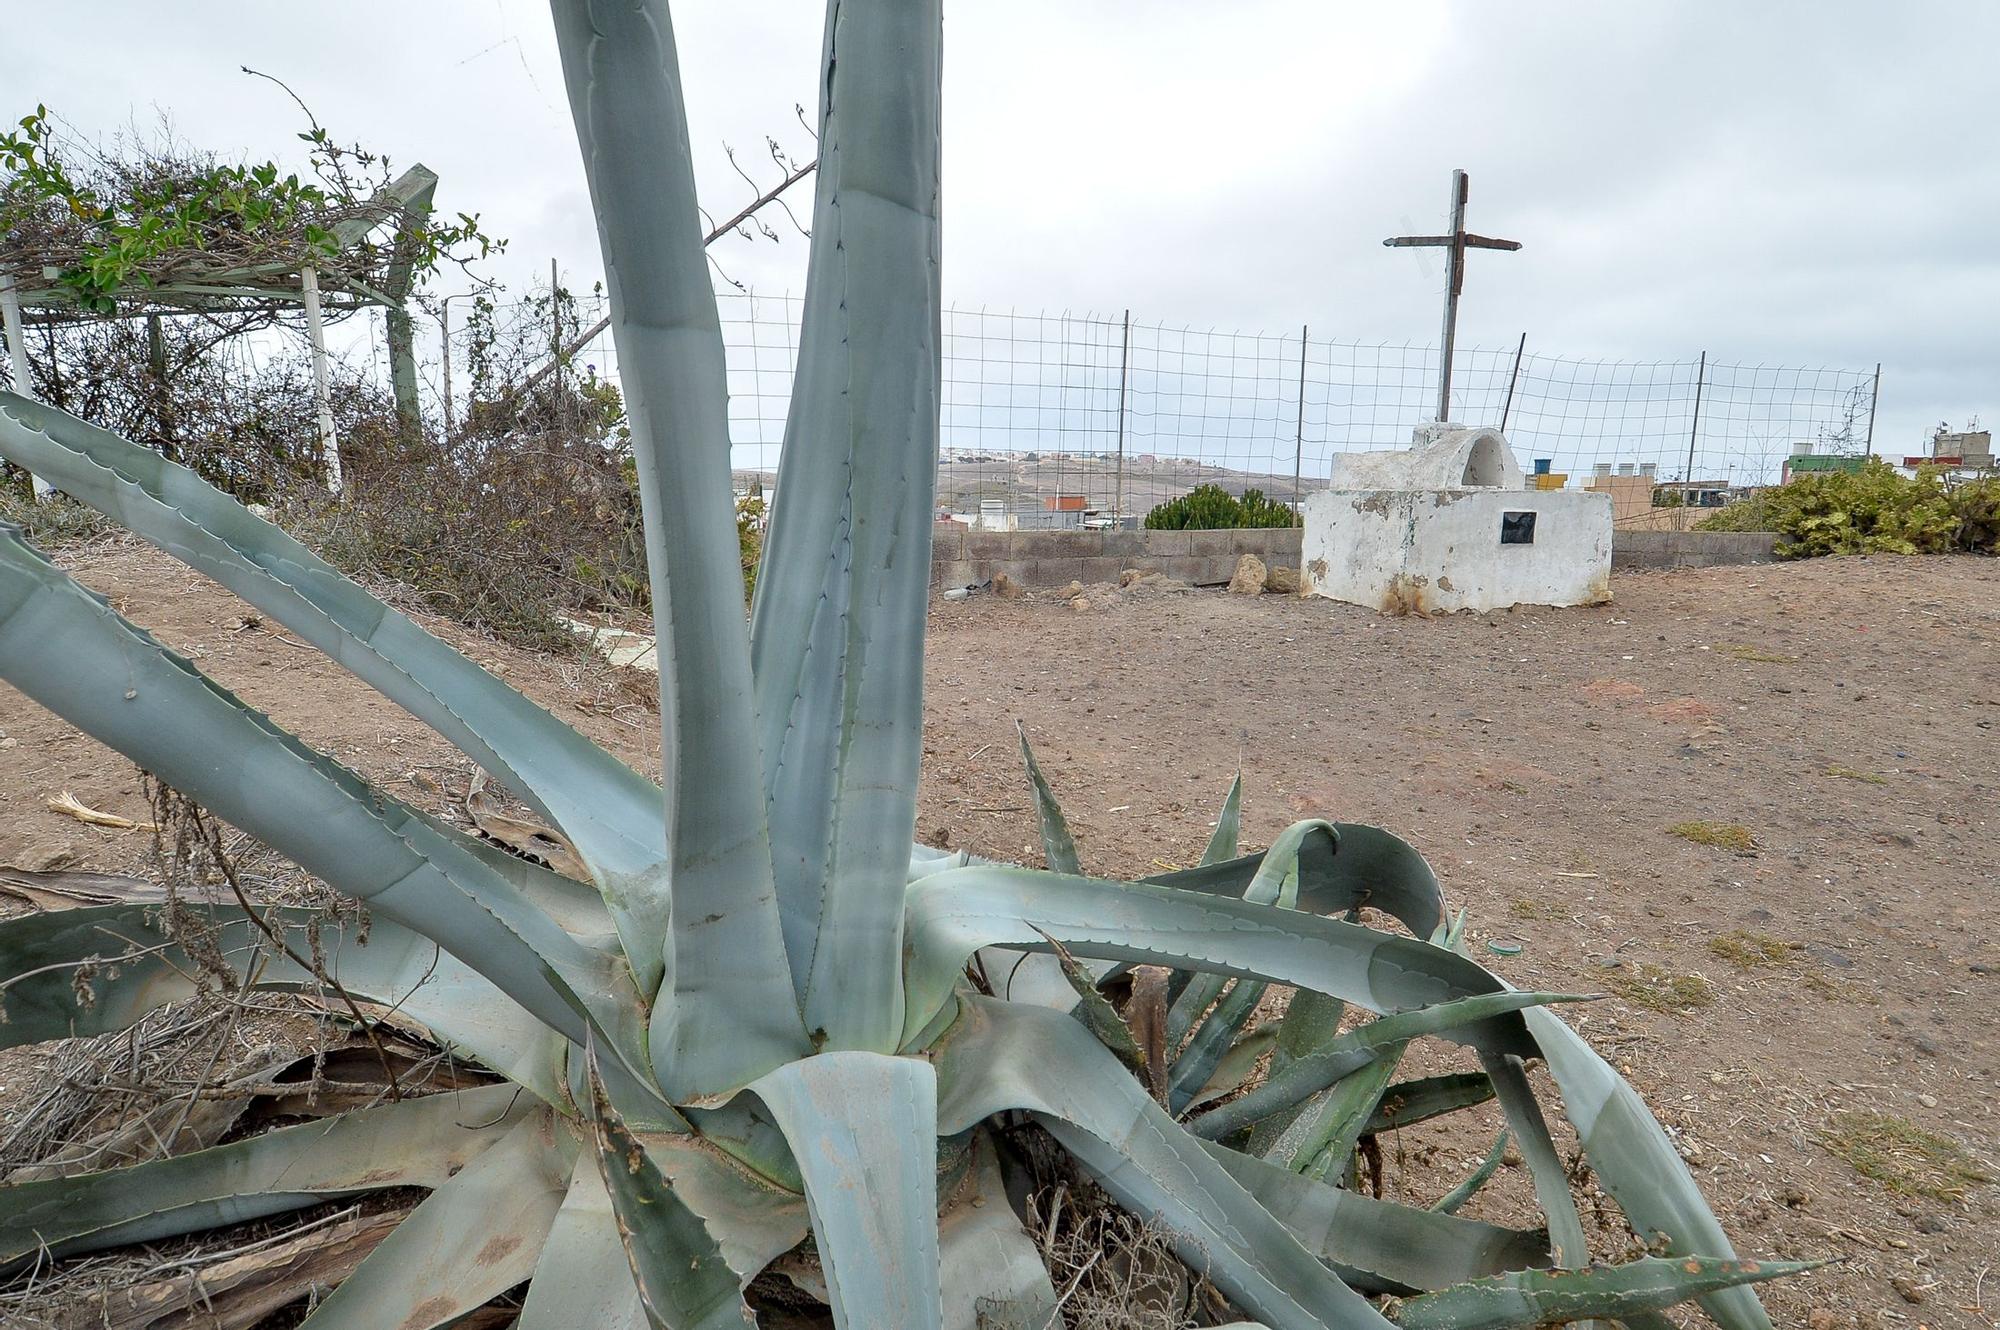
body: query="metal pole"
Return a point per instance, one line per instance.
(17, 362)
(1694, 428)
(1874, 396)
(1124, 377)
(1513, 379)
(1454, 283)
(1299, 434)
(329, 446)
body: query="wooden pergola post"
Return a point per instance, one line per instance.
(329, 446)
(17, 361)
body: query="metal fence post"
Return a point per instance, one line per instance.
(1124, 377)
(17, 361)
(1874, 396)
(1694, 429)
(1513, 379)
(1299, 437)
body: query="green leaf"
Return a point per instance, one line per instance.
(138, 967)
(410, 1143)
(611, 813)
(1570, 1248)
(1539, 1297)
(1351, 1051)
(1058, 846)
(1097, 1013)
(1211, 1042)
(999, 1058)
(992, 1274)
(864, 1128)
(1409, 1102)
(1452, 1200)
(1276, 882)
(1379, 1246)
(953, 913)
(1345, 866)
(1228, 827)
(726, 1012)
(582, 1277)
(469, 1241)
(1322, 1138)
(69, 651)
(683, 1281)
(842, 593)
(1639, 1166)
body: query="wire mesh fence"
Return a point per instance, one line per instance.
(1060, 412)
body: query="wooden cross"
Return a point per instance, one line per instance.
(1454, 246)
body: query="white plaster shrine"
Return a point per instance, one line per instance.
(1448, 525)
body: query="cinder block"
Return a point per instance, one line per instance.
(1056, 572)
(983, 570)
(1103, 568)
(1167, 544)
(1128, 544)
(989, 544)
(1062, 544)
(951, 573)
(1214, 542)
(947, 540)
(1199, 570)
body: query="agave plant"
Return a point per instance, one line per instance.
(769, 1023)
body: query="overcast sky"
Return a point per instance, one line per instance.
(1799, 183)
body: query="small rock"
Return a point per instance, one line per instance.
(8, 743)
(1282, 581)
(1080, 603)
(1924, 1044)
(1006, 587)
(1249, 578)
(1820, 1319)
(1929, 1224)
(1072, 591)
(1511, 1157)
(1927, 1100)
(1130, 577)
(1795, 1198)
(45, 857)
(1908, 1289)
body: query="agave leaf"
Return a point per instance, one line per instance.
(991, 1272)
(678, 1268)
(1323, 1137)
(1571, 1249)
(1196, 1065)
(725, 1014)
(1237, 1065)
(1058, 846)
(1344, 867)
(1538, 1297)
(838, 626)
(864, 1128)
(999, 1058)
(1311, 1021)
(1222, 842)
(138, 967)
(1276, 882)
(954, 913)
(1639, 1166)
(1355, 1049)
(407, 1143)
(1379, 1246)
(1451, 1201)
(1409, 1102)
(582, 1277)
(472, 1239)
(754, 1220)
(1097, 1013)
(71, 652)
(611, 813)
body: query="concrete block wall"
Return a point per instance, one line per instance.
(1631, 550)
(961, 556)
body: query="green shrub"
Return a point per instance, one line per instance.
(1213, 508)
(1976, 504)
(1876, 510)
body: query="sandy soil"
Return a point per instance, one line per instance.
(1841, 713)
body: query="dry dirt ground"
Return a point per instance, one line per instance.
(1817, 1002)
